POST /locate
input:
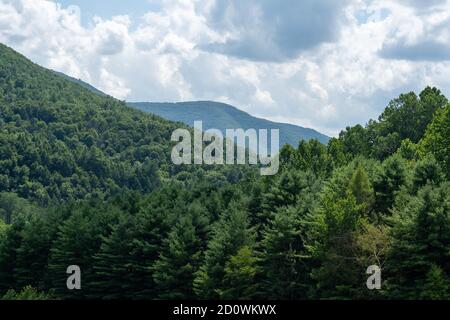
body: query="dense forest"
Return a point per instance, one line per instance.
(87, 181)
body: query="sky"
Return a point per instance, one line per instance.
(323, 64)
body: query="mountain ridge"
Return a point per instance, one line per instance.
(222, 116)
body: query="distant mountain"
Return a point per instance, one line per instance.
(215, 115)
(223, 116)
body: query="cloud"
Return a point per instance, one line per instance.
(265, 30)
(424, 5)
(295, 62)
(111, 35)
(424, 51)
(419, 36)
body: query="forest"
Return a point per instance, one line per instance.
(87, 181)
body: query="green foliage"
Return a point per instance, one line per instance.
(387, 184)
(230, 234)
(427, 171)
(27, 293)
(86, 181)
(406, 117)
(59, 141)
(334, 247)
(437, 138)
(11, 206)
(175, 270)
(78, 239)
(361, 188)
(436, 285)
(240, 275)
(420, 239)
(284, 258)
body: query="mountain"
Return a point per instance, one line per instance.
(223, 116)
(61, 140)
(215, 115)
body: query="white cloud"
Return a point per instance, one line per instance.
(328, 79)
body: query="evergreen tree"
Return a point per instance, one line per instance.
(175, 270)
(8, 254)
(284, 257)
(32, 254)
(420, 239)
(436, 285)
(240, 275)
(389, 183)
(229, 235)
(427, 171)
(27, 293)
(78, 240)
(361, 188)
(114, 265)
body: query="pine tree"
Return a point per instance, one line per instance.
(229, 235)
(114, 265)
(389, 183)
(241, 271)
(420, 239)
(426, 171)
(78, 240)
(436, 285)
(32, 254)
(284, 256)
(361, 188)
(175, 270)
(8, 255)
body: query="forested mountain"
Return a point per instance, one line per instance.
(215, 115)
(87, 181)
(223, 116)
(62, 141)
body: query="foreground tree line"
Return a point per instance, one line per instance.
(377, 195)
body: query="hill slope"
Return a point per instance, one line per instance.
(223, 116)
(61, 141)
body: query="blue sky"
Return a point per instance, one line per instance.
(323, 64)
(109, 8)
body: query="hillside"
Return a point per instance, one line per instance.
(61, 141)
(223, 116)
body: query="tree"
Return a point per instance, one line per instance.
(389, 183)
(240, 275)
(355, 141)
(115, 264)
(437, 138)
(229, 235)
(284, 257)
(27, 293)
(420, 238)
(436, 285)
(174, 272)
(361, 188)
(8, 254)
(334, 247)
(78, 240)
(32, 254)
(12, 205)
(427, 171)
